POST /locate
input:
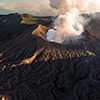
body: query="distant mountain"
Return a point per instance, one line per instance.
(14, 24)
(32, 68)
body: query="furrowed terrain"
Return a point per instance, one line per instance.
(32, 68)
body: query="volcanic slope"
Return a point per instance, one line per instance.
(13, 25)
(32, 68)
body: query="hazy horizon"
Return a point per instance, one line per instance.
(34, 7)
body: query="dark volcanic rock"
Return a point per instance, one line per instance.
(13, 25)
(34, 69)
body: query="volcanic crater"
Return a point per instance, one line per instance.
(32, 68)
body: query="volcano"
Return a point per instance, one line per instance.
(32, 68)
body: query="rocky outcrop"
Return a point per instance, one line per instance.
(41, 31)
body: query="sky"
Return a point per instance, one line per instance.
(34, 7)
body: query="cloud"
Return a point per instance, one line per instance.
(69, 25)
(40, 8)
(3, 11)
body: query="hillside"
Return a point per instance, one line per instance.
(14, 24)
(32, 68)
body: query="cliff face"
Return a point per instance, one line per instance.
(32, 68)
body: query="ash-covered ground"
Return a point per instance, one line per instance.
(32, 68)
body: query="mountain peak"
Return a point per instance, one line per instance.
(41, 30)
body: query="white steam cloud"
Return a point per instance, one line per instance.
(69, 25)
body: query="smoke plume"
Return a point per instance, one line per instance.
(69, 25)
